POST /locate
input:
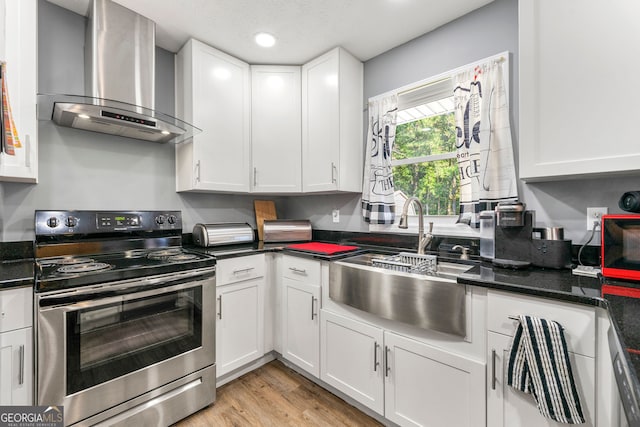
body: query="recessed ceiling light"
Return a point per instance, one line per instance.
(265, 39)
(83, 116)
(165, 132)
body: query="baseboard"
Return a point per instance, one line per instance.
(237, 373)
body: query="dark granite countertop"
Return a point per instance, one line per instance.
(556, 284)
(16, 273)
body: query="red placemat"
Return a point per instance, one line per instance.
(322, 248)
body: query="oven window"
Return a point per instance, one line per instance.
(621, 240)
(112, 340)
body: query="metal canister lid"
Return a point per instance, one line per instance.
(510, 207)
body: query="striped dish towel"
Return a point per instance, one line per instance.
(539, 364)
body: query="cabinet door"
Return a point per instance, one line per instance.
(18, 48)
(301, 326)
(217, 100)
(575, 106)
(351, 359)
(239, 324)
(320, 123)
(507, 407)
(427, 386)
(16, 367)
(276, 129)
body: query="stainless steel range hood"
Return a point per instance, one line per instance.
(119, 94)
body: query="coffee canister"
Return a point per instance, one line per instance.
(487, 234)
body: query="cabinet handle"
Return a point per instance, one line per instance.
(298, 270)
(386, 361)
(243, 270)
(255, 177)
(313, 303)
(333, 173)
(220, 307)
(198, 171)
(375, 356)
(493, 369)
(21, 376)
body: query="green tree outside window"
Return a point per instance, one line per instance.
(434, 182)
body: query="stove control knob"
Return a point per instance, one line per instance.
(53, 222)
(160, 219)
(171, 219)
(71, 221)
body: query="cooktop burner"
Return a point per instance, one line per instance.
(87, 267)
(164, 253)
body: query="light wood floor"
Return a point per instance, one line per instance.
(275, 395)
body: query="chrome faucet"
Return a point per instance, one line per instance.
(464, 251)
(423, 239)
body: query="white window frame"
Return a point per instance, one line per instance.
(443, 225)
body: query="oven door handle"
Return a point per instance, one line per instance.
(118, 292)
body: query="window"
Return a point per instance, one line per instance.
(424, 152)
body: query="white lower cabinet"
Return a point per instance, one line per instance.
(239, 333)
(239, 313)
(428, 386)
(16, 367)
(507, 407)
(351, 359)
(301, 327)
(16, 346)
(409, 382)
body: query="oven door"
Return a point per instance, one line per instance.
(100, 346)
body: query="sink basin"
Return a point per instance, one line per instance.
(430, 300)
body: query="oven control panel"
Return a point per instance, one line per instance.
(91, 222)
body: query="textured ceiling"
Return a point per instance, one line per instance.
(303, 28)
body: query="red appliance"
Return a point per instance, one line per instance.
(620, 246)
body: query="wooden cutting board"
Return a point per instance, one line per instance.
(265, 209)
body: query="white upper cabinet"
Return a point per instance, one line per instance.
(214, 94)
(577, 107)
(18, 49)
(332, 142)
(276, 129)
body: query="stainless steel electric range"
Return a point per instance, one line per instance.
(125, 318)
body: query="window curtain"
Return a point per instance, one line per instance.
(484, 146)
(378, 204)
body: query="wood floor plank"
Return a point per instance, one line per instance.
(276, 396)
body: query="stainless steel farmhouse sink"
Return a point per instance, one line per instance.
(385, 286)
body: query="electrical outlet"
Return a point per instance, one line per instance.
(595, 214)
(335, 215)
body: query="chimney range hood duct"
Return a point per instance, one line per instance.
(119, 81)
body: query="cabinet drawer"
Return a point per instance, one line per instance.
(16, 308)
(238, 269)
(578, 321)
(301, 269)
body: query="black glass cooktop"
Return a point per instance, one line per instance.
(71, 271)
